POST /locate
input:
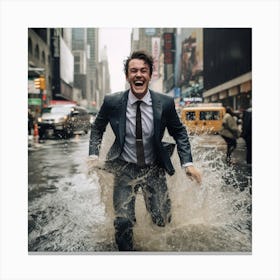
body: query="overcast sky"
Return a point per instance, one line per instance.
(117, 41)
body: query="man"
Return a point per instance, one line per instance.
(247, 133)
(138, 156)
(30, 122)
(230, 133)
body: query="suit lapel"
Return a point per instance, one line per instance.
(122, 120)
(157, 112)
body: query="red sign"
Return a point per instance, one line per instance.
(62, 102)
(168, 46)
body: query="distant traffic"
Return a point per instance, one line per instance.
(63, 121)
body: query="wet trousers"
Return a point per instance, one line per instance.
(129, 178)
(248, 141)
(231, 146)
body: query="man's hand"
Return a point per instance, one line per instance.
(193, 173)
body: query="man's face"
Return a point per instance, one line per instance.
(138, 77)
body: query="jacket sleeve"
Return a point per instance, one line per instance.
(98, 128)
(177, 130)
(229, 128)
(232, 125)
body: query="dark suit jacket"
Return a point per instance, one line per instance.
(113, 111)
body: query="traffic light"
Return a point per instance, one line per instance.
(40, 83)
(37, 83)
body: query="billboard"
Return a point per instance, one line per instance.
(168, 47)
(155, 54)
(66, 63)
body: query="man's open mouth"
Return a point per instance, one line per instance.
(138, 83)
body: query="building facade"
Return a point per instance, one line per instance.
(190, 79)
(62, 64)
(228, 66)
(92, 66)
(79, 50)
(39, 65)
(104, 84)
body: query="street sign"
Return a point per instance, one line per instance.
(34, 101)
(150, 31)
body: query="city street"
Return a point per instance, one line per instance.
(69, 206)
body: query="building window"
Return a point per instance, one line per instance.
(76, 68)
(30, 46)
(37, 51)
(43, 57)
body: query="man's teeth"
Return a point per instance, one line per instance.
(138, 83)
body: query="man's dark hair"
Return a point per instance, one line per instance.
(229, 110)
(139, 55)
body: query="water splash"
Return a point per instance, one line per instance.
(73, 211)
(213, 217)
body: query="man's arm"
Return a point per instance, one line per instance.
(97, 130)
(177, 130)
(180, 135)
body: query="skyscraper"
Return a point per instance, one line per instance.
(92, 65)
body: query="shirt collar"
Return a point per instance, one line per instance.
(146, 98)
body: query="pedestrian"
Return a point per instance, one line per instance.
(30, 122)
(247, 133)
(138, 157)
(230, 133)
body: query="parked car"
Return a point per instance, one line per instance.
(63, 121)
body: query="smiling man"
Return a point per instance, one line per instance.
(138, 157)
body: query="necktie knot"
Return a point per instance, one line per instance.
(138, 103)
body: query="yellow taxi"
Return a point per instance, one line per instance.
(203, 118)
